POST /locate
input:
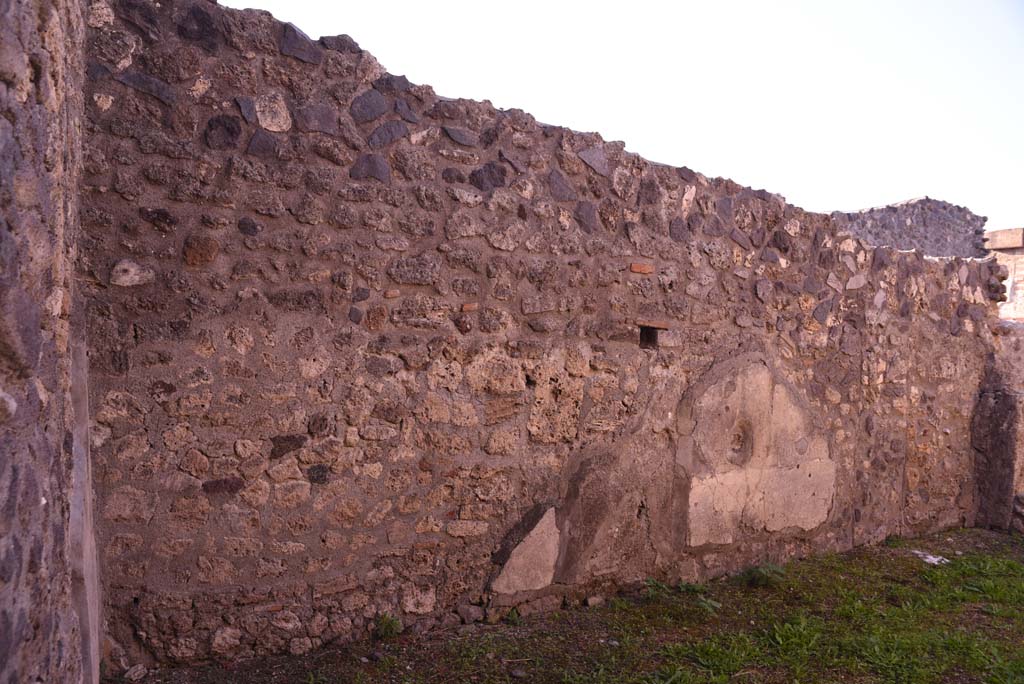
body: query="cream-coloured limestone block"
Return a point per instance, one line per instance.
(531, 565)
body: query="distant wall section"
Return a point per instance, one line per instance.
(1008, 246)
(933, 227)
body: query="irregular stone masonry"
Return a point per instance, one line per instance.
(930, 226)
(359, 349)
(1007, 246)
(41, 77)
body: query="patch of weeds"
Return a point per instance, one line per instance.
(618, 604)
(1000, 611)
(708, 604)
(653, 589)
(723, 654)
(894, 542)
(387, 663)
(688, 588)
(767, 575)
(972, 580)
(600, 675)
(315, 678)
(854, 607)
(678, 675)
(896, 657)
(387, 627)
(513, 618)
(795, 641)
(966, 650)
(1001, 671)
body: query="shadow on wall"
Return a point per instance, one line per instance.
(994, 439)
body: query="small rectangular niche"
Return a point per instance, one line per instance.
(648, 337)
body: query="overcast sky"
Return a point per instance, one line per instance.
(836, 105)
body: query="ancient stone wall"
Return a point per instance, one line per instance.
(41, 76)
(931, 226)
(356, 349)
(998, 436)
(1007, 245)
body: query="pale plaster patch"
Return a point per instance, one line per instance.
(757, 463)
(769, 499)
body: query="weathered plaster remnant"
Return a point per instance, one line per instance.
(758, 464)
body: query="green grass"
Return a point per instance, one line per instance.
(873, 616)
(387, 627)
(768, 575)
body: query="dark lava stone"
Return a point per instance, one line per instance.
(822, 311)
(246, 226)
(649, 191)
(741, 239)
(247, 107)
(371, 166)
(318, 474)
(488, 177)
(199, 27)
(678, 229)
(318, 425)
(225, 485)
(560, 188)
(163, 220)
(321, 118)
(297, 44)
(586, 216)
(262, 144)
(285, 444)
(453, 175)
(222, 132)
(342, 43)
(368, 106)
(403, 110)
(462, 136)
(145, 83)
(142, 15)
(390, 83)
(387, 133)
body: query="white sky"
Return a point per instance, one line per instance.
(835, 105)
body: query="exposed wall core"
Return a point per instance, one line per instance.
(41, 72)
(360, 349)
